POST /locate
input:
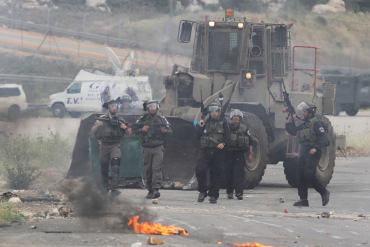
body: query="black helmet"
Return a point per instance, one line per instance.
(111, 103)
(214, 107)
(125, 98)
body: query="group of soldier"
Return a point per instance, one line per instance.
(225, 148)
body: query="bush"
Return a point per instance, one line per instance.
(7, 213)
(244, 5)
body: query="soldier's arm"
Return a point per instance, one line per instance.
(96, 126)
(227, 135)
(248, 134)
(169, 130)
(136, 129)
(291, 128)
(319, 129)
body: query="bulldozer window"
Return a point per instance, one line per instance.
(223, 50)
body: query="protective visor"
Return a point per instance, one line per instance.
(236, 113)
(301, 107)
(152, 105)
(114, 105)
(214, 108)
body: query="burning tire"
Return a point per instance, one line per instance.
(254, 171)
(324, 170)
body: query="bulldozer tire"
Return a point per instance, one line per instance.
(254, 171)
(351, 112)
(324, 170)
(290, 170)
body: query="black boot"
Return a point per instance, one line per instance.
(213, 199)
(149, 195)
(201, 196)
(301, 203)
(239, 196)
(325, 198)
(230, 196)
(156, 193)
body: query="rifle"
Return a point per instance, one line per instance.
(116, 122)
(203, 110)
(290, 109)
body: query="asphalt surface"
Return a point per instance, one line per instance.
(260, 217)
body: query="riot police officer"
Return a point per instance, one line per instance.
(241, 142)
(214, 135)
(110, 133)
(125, 100)
(312, 137)
(152, 138)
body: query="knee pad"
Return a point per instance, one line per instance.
(115, 169)
(115, 161)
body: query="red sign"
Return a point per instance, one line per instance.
(279, 21)
(255, 19)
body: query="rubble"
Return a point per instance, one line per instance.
(281, 200)
(154, 241)
(325, 214)
(15, 200)
(354, 152)
(64, 211)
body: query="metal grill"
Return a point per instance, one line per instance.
(257, 40)
(279, 64)
(258, 66)
(223, 50)
(198, 54)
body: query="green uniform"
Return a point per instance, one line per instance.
(110, 137)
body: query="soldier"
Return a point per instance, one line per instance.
(125, 100)
(110, 133)
(214, 135)
(312, 137)
(152, 140)
(241, 142)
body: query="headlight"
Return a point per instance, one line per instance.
(248, 75)
(211, 23)
(240, 25)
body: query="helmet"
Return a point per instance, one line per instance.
(236, 112)
(311, 108)
(111, 103)
(214, 107)
(150, 104)
(125, 98)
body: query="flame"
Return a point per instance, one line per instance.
(154, 228)
(253, 244)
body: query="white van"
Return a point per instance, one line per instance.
(12, 101)
(91, 88)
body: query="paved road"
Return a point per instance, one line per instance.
(259, 217)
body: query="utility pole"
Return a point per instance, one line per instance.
(13, 2)
(84, 26)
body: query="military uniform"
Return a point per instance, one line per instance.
(311, 134)
(152, 143)
(214, 132)
(235, 158)
(110, 150)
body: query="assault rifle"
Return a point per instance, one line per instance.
(116, 122)
(203, 110)
(290, 109)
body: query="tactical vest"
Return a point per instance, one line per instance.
(109, 133)
(307, 135)
(213, 134)
(239, 141)
(154, 132)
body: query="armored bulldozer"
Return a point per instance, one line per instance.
(252, 64)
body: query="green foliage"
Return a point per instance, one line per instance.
(8, 213)
(22, 158)
(161, 6)
(212, 7)
(244, 5)
(322, 20)
(69, 2)
(357, 5)
(18, 170)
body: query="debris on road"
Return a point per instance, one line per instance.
(33, 227)
(154, 241)
(285, 211)
(325, 214)
(354, 152)
(155, 201)
(281, 200)
(154, 228)
(63, 211)
(14, 200)
(137, 245)
(253, 244)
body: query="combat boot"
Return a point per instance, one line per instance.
(230, 196)
(325, 198)
(115, 192)
(201, 196)
(156, 193)
(149, 195)
(213, 199)
(239, 196)
(301, 203)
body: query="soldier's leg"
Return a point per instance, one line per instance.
(201, 170)
(115, 156)
(229, 172)
(104, 165)
(147, 157)
(310, 172)
(239, 174)
(157, 164)
(215, 169)
(302, 183)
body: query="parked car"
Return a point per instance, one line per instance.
(12, 101)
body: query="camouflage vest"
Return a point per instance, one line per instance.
(109, 133)
(154, 132)
(307, 135)
(213, 134)
(239, 141)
